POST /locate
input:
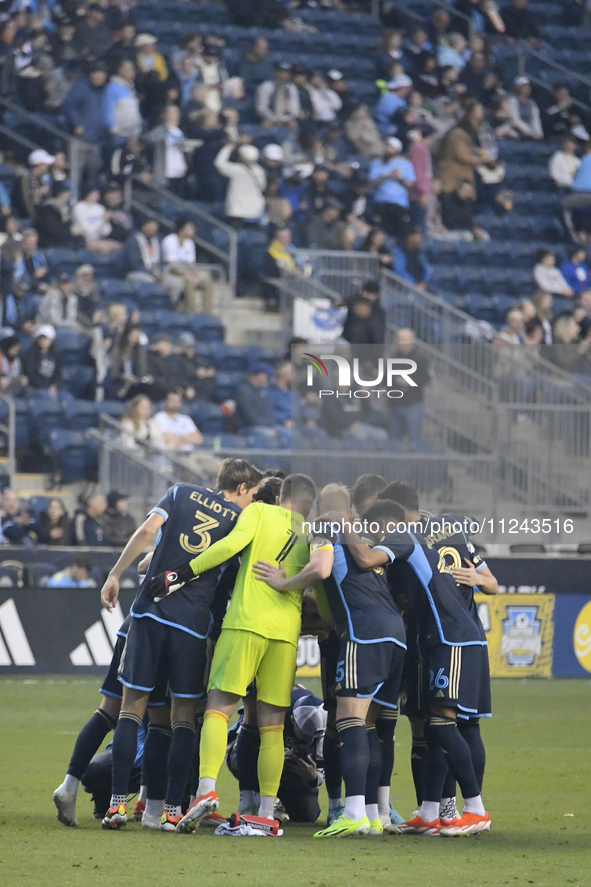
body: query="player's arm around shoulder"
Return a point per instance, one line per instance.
(479, 577)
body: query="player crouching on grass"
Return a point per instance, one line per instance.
(259, 639)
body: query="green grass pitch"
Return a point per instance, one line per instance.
(539, 768)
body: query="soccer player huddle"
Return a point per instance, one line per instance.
(238, 572)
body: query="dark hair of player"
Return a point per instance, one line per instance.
(297, 486)
(403, 493)
(365, 487)
(384, 510)
(234, 472)
(268, 491)
(275, 472)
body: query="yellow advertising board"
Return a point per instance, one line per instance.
(520, 633)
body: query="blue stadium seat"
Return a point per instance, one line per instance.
(39, 572)
(226, 385)
(79, 381)
(38, 504)
(80, 415)
(74, 456)
(44, 414)
(73, 347)
(231, 359)
(113, 408)
(208, 417)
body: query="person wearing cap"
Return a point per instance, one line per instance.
(34, 185)
(211, 75)
(42, 364)
(390, 179)
(93, 36)
(317, 190)
(59, 305)
(54, 220)
(83, 109)
(254, 408)
(392, 101)
(247, 181)
(255, 66)
(121, 107)
(194, 374)
(271, 160)
(304, 729)
(324, 230)
(148, 60)
(118, 524)
(523, 111)
(325, 101)
(162, 364)
(277, 101)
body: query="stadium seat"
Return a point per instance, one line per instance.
(73, 348)
(209, 418)
(80, 381)
(73, 455)
(37, 504)
(44, 415)
(80, 415)
(39, 572)
(10, 576)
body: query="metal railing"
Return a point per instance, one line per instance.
(227, 257)
(147, 197)
(8, 431)
(341, 270)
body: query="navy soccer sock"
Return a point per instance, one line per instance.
(180, 759)
(332, 764)
(385, 727)
(156, 751)
(470, 730)
(354, 755)
(248, 743)
(435, 768)
(89, 741)
(124, 752)
(418, 759)
(374, 769)
(449, 786)
(444, 733)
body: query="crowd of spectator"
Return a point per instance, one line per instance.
(417, 165)
(98, 521)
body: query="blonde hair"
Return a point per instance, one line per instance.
(333, 496)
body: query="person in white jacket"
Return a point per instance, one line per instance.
(550, 278)
(325, 101)
(564, 163)
(91, 219)
(247, 182)
(523, 111)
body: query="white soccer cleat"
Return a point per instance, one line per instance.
(201, 807)
(65, 804)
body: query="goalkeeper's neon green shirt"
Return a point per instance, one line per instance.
(262, 533)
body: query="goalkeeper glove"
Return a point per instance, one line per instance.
(163, 584)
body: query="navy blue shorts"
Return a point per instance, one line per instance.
(390, 690)
(410, 684)
(484, 694)
(329, 657)
(451, 678)
(363, 669)
(111, 684)
(155, 653)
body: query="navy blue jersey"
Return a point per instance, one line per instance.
(195, 518)
(446, 619)
(359, 600)
(449, 534)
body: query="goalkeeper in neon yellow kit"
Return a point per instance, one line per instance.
(259, 638)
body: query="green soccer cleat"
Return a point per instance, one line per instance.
(346, 828)
(376, 827)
